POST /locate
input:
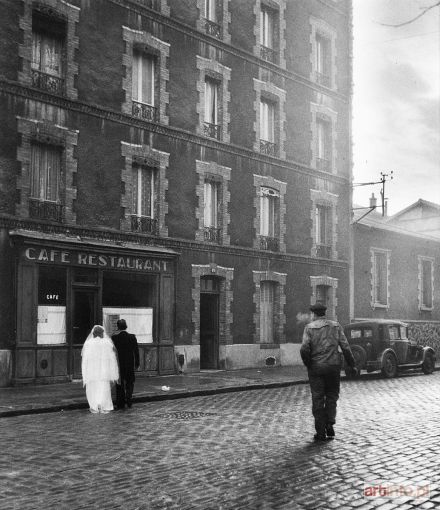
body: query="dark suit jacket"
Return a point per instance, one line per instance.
(128, 354)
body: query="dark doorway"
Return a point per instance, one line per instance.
(209, 323)
(83, 319)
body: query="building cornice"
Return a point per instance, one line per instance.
(82, 234)
(16, 89)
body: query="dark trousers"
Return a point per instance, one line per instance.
(124, 392)
(324, 385)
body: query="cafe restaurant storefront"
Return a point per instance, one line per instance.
(64, 286)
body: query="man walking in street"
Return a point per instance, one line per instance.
(128, 355)
(320, 354)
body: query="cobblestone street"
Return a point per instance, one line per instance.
(248, 449)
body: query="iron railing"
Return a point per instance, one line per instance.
(213, 28)
(269, 243)
(212, 234)
(268, 54)
(324, 165)
(144, 111)
(268, 148)
(323, 79)
(324, 250)
(49, 82)
(212, 130)
(45, 210)
(144, 224)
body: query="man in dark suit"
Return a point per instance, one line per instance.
(128, 355)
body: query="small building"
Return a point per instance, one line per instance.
(396, 275)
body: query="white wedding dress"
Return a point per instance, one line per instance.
(99, 369)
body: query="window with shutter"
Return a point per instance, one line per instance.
(267, 315)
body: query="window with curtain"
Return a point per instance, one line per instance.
(323, 225)
(267, 120)
(47, 53)
(211, 101)
(322, 63)
(267, 311)
(143, 185)
(323, 295)
(268, 212)
(266, 27)
(211, 197)
(210, 10)
(323, 130)
(45, 172)
(143, 78)
(380, 278)
(426, 281)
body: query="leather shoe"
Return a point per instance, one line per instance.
(319, 437)
(330, 431)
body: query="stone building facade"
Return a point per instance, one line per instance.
(185, 165)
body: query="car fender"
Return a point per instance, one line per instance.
(384, 353)
(428, 350)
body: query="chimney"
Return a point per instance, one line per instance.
(373, 201)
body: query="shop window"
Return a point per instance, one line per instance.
(51, 325)
(44, 200)
(133, 298)
(48, 39)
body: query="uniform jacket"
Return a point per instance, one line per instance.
(320, 343)
(128, 354)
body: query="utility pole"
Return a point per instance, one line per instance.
(382, 192)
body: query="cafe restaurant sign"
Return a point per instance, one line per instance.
(103, 261)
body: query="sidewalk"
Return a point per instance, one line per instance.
(58, 397)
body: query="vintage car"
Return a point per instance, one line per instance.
(383, 345)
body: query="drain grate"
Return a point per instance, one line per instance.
(186, 415)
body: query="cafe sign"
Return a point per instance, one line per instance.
(98, 260)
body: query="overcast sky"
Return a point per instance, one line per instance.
(396, 103)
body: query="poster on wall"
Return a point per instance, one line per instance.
(139, 322)
(51, 325)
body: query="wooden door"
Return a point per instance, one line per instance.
(209, 326)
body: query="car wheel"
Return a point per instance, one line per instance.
(428, 365)
(389, 366)
(360, 357)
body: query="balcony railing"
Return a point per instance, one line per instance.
(151, 4)
(213, 28)
(49, 82)
(212, 130)
(269, 243)
(144, 111)
(323, 79)
(268, 148)
(324, 165)
(323, 250)
(212, 234)
(144, 224)
(45, 210)
(268, 54)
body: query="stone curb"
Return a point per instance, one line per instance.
(154, 398)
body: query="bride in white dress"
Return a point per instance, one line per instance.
(99, 370)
